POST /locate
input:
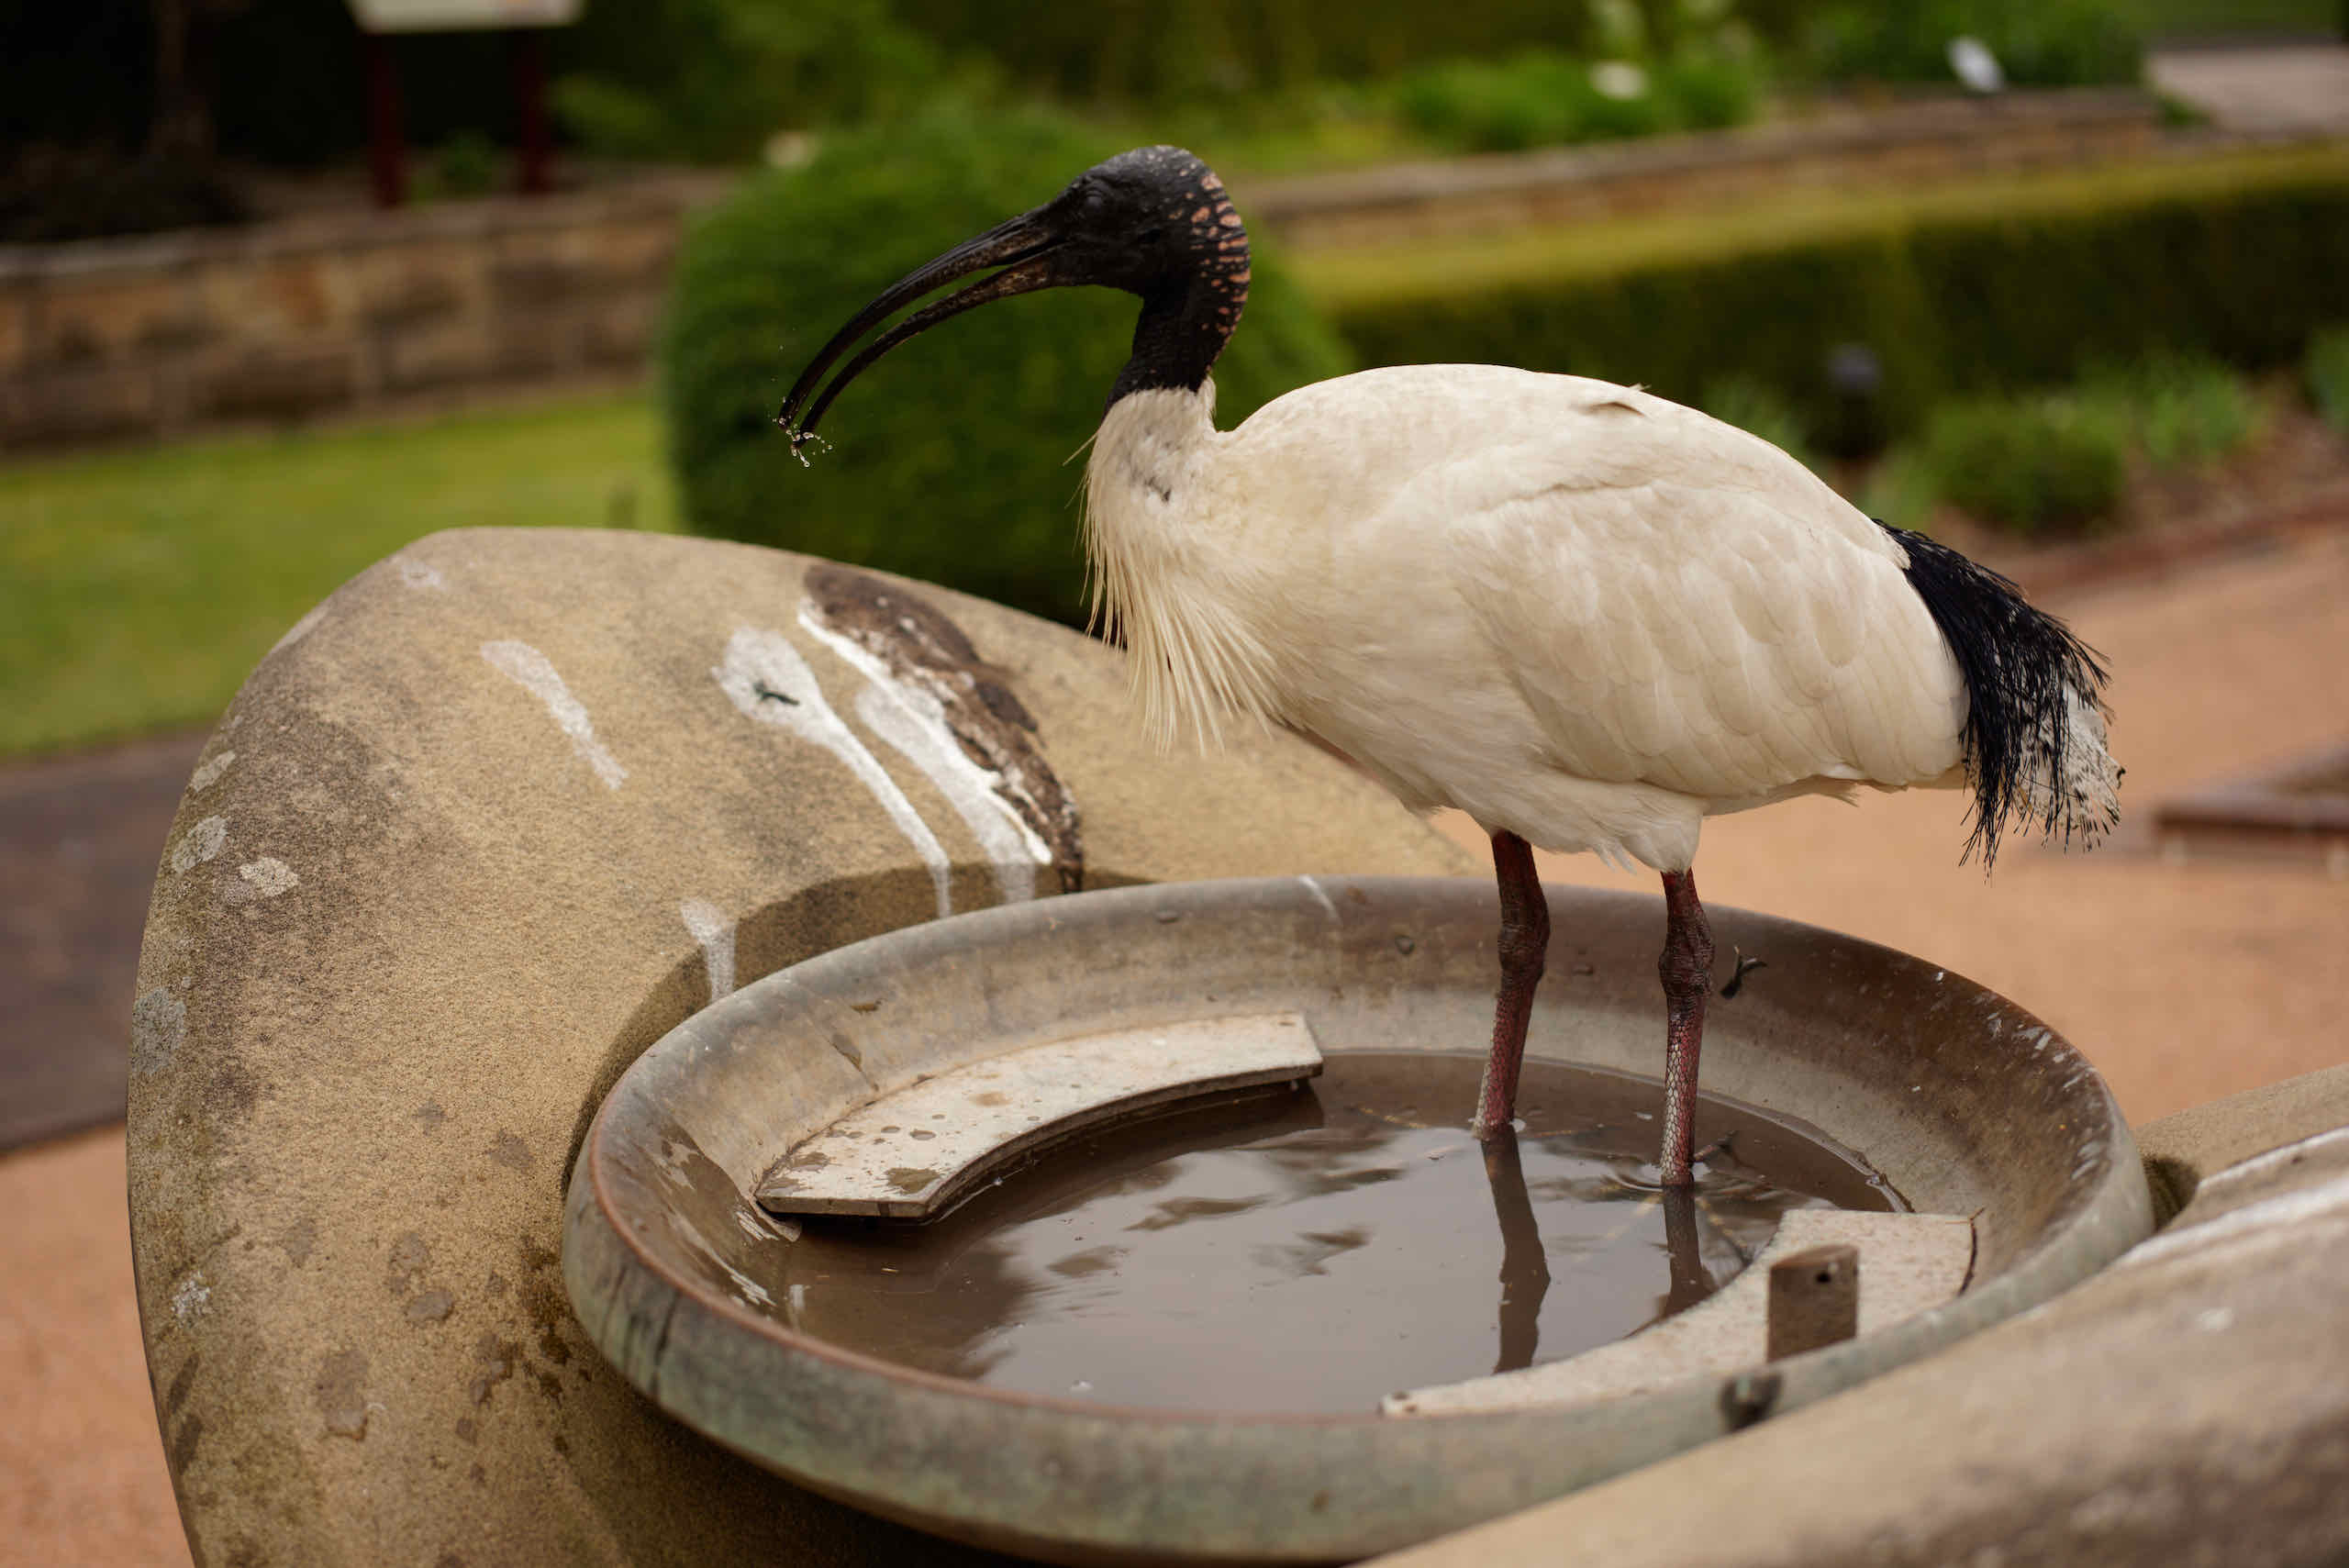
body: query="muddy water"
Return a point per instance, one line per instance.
(1312, 1249)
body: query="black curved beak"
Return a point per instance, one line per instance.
(1028, 248)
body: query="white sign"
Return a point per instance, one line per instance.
(456, 16)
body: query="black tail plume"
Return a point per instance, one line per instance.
(2035, 726)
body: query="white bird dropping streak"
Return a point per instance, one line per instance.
(527, 668)
(914, 722)
(709, 926)
(1320, 897)
(766, 677)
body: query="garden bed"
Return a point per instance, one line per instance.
(2293, 477)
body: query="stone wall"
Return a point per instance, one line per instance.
(338, 313)
(1894, 145)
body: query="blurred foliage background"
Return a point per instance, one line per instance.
(2021, 351)
(282, 82)
(713, 79)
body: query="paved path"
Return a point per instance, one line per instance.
(79, 841)
(2286, 89)
(81, 1477)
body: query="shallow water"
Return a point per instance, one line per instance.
(1313, 1249)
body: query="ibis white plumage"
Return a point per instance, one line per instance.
(1587, 616)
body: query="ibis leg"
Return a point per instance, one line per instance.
(1525, 943)
(1687, 968)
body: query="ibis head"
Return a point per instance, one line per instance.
(1154, 222)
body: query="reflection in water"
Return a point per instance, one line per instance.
(1176, 1211)
(1685, 1267)
(1313, 1250)
(1525, 1270)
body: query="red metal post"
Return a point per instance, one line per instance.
(386, 159)
(536, 143)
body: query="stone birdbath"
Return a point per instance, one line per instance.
(2021, 1174)
(495, 821)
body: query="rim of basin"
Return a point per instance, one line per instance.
(1817, 1043)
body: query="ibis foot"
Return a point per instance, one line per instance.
(1524, 944)
(1686, 970)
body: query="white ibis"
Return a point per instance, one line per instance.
(1587, 616)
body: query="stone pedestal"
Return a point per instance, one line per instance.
(488, 822)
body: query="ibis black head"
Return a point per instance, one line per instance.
(1154, 222)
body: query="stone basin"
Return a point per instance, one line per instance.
(1964, 1103)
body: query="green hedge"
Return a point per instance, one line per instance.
(950, 459)
(1541, 97)
(2029, 463)
(2038, 43)
(1949, 305)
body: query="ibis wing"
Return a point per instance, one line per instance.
(1674, 608)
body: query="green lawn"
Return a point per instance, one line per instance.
(138, 588)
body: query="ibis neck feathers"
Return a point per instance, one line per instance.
(1181, 333)
(1168, 581)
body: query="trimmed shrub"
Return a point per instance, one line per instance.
(2060, 459)
(2027, 464)
(2326, 369)
(1541, 98)
(1948, 306)
(1712, 89)
(1533, 99)
(950, 459)
(2178, 409)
